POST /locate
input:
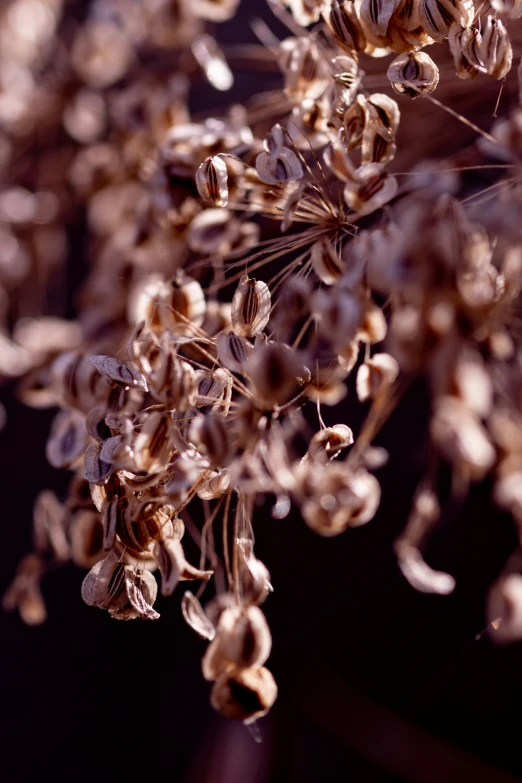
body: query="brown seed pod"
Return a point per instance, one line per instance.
(250, 307)
(377, 373)
(173, 565)
(242, 639)
(376, 15)
(86, 537)
(24, 592)
(343, 22)
(244, 694)
(437, 16)
(233, 351)
(120, 373)
(212, 181)
(465, 44)
(326, 262)
(496, 50)
(413, 74)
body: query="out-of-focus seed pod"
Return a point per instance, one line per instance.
(465, 44)
(437, 16)
(343, 22)
(354, 122)
(49, 518)
(253, 574)
(96, 471)
(215, 486)
(496, 48)
(376, 15)
(153, 443)
(372, 328)
(68, 439)
(338, 161)
(242, 639)
(376, 374)
(210, 434)
(212, 181)
(305, 12)
(24, 592)
(461, 438)
(304, 67)
(374, 188)
(174, 382)
(276, 373)
(326, 262)
(250, 307)
(328, 443)
(341, 499)
(413, 74)
(244, 694)
(86, 537)
(504, 609)
(512, 8)
(233, 351)
(195, 617)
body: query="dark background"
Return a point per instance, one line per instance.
(376, 682)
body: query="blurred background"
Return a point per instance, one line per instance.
(376, 682)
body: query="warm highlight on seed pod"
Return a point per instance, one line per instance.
(343, 22)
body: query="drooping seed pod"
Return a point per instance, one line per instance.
(212, 181)
(465, 44)
(437, 16)
(250, 307)
(496, 50)
(339, 499)
(242, 639)
(413, 74)
(105, 582)
(168, 305)
(354, 123)
(376, 15)
(278, 165)
(253, 574)
(377, 373)
(195, 617)
(244, 694)
(343, 22)
(120, 373)
(174, 382)
(326, 262)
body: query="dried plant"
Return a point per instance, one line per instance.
(187, 385)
